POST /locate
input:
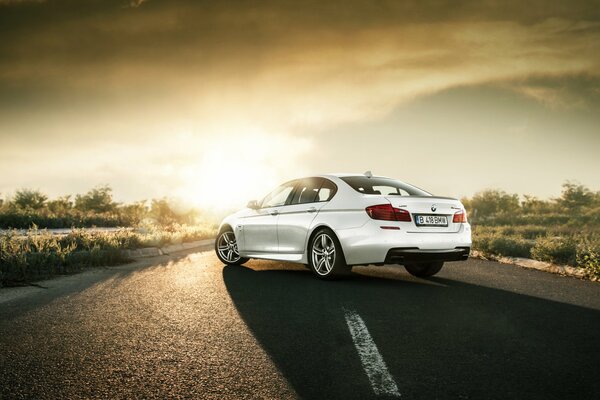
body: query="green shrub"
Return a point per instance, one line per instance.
(532, 231)
(511, 246)
(588, 256)
(553, 219)
(498, 243)
(559, 250)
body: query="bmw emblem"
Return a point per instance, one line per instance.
(433, 208)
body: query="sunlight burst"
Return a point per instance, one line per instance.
(234, 169)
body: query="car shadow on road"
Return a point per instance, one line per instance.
(440, 338)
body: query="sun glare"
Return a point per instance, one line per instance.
(234, 169)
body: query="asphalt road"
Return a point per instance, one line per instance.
(192, 328)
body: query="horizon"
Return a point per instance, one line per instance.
(215, 104)
(183, 206)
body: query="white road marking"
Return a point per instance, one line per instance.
(373, 364)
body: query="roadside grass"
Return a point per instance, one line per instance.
(39, 254)
(563, 230)
(24, 219)
(559, 245)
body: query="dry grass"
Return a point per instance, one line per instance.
(40, 254)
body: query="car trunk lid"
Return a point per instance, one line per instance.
(428, 212)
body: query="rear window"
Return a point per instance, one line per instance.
(384, 186)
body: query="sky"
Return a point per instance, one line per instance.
(215, 103)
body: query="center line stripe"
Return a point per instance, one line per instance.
(372, 362)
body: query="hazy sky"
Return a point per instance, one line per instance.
(215, 102)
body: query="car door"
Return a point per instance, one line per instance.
(295, 219)
(260, 228)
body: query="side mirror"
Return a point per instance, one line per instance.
(253, 204)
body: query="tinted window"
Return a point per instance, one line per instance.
(385, 186)
(387, 190)
(306, 191)
(327, 191)
(278, 196)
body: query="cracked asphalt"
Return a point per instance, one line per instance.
(189, 327)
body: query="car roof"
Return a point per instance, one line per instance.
(342, 175)
(335, 176)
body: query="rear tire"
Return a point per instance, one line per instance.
(325, 256)
(424, 269)
(226, 248)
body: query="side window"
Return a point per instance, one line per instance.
(306, 191)
(327, 190)
(278, 196)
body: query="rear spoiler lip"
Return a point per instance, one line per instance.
(410, 197)
(421, 197)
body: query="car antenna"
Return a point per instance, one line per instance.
(368, 174)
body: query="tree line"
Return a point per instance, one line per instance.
(97, 207)
(577, 205)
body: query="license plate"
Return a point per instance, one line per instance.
(431, 220)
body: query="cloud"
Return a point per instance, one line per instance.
(287, 71)
(136, 3)
(81, 74)
(6, 2)
(565, 92)
(311, 66)
(551, 97)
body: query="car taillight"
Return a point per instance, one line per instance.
(460, 216)
(388, 213)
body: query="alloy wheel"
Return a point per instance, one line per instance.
(323, 254)
(227, 247)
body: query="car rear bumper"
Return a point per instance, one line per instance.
(414, 255)
(370, 244)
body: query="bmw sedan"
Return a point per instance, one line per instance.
(334, 222)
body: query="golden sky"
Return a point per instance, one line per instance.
(216, 102)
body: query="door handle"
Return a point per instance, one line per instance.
(274, 212)
(311, 210)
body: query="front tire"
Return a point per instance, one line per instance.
(227, 250)
(325, 256)
(423, 270)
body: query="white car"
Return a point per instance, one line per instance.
(333, 222)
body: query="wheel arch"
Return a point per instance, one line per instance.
(225, 227)
(314, 231)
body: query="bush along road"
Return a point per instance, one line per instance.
(40, 254)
